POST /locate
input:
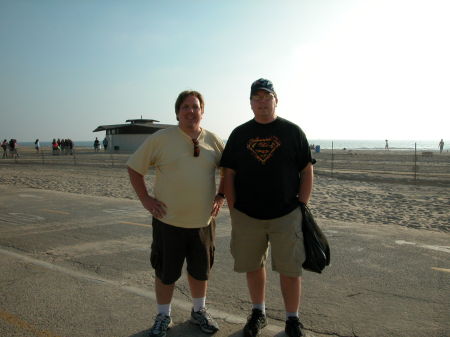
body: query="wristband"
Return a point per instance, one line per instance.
(220, 195)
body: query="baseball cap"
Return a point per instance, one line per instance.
(262, 84)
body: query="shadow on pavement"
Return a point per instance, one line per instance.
(186, 329)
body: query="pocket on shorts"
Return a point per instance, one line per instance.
(232, 243)
(299, 246)
(212, 250)
(299, 232)
(233, 232)
(207, 238)
(232, 212)
(155, 257)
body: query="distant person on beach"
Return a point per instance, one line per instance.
(441, 146)
(105, 143)
(13, 148)
(65, 146)
(5, 148)
(55, 147)
(183, 206)
(386, 147)
(268, 178)
(37, 145)
(96, 144)
(71, 145)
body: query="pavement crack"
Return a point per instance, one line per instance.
(183, 291)
(330, 333)
(275, 314)
(94, 267)
(15, 248)
(402, 296)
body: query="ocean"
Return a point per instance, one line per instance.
(355, 144)
(349, 144)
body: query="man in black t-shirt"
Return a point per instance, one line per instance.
(268, 171)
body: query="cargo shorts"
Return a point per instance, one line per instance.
(251, 238)
(172, 245)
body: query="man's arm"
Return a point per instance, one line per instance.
(228, 186)
(154, 206)
(219, 199)
(306, 184)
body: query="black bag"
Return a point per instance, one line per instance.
(317, 250)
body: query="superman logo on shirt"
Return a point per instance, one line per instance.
(263, 148)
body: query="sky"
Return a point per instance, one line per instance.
(342, 69)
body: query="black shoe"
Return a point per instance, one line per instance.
(256, 321)
(294, 327)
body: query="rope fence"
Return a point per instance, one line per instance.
(406, 165)
(403, 166)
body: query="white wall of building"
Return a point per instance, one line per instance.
(125, 142)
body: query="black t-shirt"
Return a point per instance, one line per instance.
(267, 159)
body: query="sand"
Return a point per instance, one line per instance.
(373, 187)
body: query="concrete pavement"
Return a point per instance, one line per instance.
(76, 265)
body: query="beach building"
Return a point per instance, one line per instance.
(127, 137)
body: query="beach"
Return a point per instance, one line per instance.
(372, 187)
(75, 242)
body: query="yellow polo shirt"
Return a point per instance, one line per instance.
(186, 184)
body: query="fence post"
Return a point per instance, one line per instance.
(415, 162)
(332, 157)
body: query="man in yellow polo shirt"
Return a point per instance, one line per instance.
(183, 205)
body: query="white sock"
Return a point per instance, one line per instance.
(199, 303)
(260, 306)
(291, 314)
(164, 309)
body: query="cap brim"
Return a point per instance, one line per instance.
(265, 89)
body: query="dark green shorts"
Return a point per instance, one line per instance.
(172, 245)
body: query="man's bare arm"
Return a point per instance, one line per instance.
(228, 186)
(154, 206)
(306, 184)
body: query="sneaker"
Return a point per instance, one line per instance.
(162, 324)
(294, 327)
(256, 321)
(204, 320)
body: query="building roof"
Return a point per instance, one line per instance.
(141, 121)
(142, 124)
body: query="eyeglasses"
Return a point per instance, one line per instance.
(196, 148)
(262, 98)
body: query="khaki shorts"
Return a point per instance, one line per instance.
(250, 240)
